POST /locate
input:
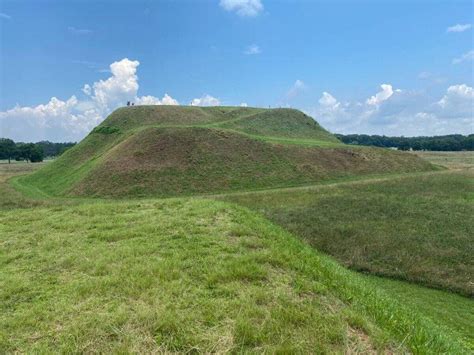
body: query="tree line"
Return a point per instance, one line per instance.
(30, 152)
(452, 142)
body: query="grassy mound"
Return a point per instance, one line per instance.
(182, 276)
(415, 228)
(170, 151)
(281, 123)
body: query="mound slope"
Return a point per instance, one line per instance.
(186, 276)
(169, 151)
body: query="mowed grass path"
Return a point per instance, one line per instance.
(417, 228)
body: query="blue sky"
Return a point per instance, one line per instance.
(327, 58)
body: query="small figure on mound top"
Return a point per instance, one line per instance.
(128, 103)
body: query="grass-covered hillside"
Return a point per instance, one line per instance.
(170, 151)
(186, 276)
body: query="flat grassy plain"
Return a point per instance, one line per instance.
(452, 160)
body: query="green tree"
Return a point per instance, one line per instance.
(36, 154)
(29, 152)
(7, 149)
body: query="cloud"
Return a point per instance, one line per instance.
(206, 100)
(331, 110)
(5, 16)
(328, 101)
(72, 119)
(296, 89)
(396, 112)
(87, 89)
(79, 31)
(466, 57)
(381, 96)
(459, 28)
(252, 50)
(121, 87)
(244, 104)
(457, 102)
(151, 100)
(245, 8)
(56, 120)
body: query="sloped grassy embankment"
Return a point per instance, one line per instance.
(417, 228)
(186, 275)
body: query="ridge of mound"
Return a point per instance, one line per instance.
(171, 151)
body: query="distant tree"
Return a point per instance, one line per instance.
(36, 154)
(452, 142)
(51, 149)
(404, 146)
(29, 152)
(7, 149)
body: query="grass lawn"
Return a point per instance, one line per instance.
(417, 228)
(454, 313)
(185, 275)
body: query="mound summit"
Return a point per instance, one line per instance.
(178, 150)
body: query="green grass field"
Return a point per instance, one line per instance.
(185, 275)
(417, 228)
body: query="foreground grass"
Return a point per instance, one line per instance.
(418, 228)
(454, 313)
(186, 275)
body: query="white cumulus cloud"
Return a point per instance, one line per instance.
(72, 119)
(457, 102)
(56, 120)
(397, 112)
(247, 8)
(459, 28)
(151, 100)
(381, 96)
(206, 100)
